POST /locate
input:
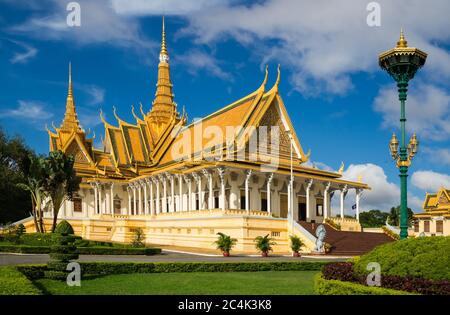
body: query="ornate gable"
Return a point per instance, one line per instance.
(79, 154)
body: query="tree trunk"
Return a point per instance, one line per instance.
(55, 219)
(33, 211)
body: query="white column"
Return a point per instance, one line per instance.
(102, 200)
(157, 199)
(199, 189)
(163, 179)
(209, 176)
(189, 196)
(152, 206)
(343, 193)
(112, 198)
(248, 175)
(144, 187)
(180, 193)
(269, 193)
(129, 200)
(358, 196)
(134, 200)
(325, 200)
(95, 186)
(309, 183)
(221, 171)
(172, 193)
(138, 187)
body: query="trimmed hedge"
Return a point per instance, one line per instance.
(12, 281)
(336, 287)
(24, 249)
(421, 257)
(99, 250)
(105, 268)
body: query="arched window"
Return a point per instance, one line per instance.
(117, 204)
(77, 204)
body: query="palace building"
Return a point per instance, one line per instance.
(435, 220)
(240, 170)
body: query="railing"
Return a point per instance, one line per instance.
(304, 232)
(191, 213)
(392, 228)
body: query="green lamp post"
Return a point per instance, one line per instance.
(402, 63)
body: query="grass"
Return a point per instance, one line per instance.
(233, 283)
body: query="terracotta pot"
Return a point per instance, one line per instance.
(226, 254)
(265, 254)
(296, 254)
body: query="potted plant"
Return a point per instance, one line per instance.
(296, 244)
(225, 243)
(264, 244)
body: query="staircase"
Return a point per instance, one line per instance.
(348, 243)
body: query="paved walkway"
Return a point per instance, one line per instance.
(166, 256)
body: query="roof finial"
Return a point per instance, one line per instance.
(277, 82)
(70, 79)
(263, 84)
(402, 43)
(163, 41)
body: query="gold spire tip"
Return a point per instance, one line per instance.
(402, 43)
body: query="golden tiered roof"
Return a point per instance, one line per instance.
(146, 147)
(436, 204)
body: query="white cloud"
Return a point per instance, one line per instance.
(29, 111)
(430, 181)
(324, 42)
(383, 195)
(427, 110)
(438, 155)
(158, 7)
(99, 24)
(24, 56)
(96, 94)
(196, 60)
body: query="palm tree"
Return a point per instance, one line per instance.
(225, 243)
(61, 182)
(264, 244)
(35, 177)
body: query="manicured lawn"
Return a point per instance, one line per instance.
(264, 282)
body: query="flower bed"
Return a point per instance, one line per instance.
(344, 272)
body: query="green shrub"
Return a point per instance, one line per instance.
(37, 239)
(12, 281)
(336, 287)
(139, 238)
(21, 230)
(422, 257)
(64, 227)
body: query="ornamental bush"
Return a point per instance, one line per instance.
(64, 227)
(62, 252)
(421, 257)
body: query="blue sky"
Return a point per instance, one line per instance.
(343, 106)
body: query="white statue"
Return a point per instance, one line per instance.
(320, 234)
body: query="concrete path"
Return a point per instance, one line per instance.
(166, 256)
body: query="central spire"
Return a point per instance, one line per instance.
(164, 108)
(70, 121)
